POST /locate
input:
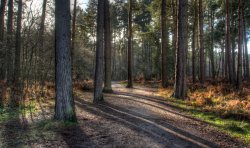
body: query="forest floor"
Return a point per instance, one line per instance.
(136, 117)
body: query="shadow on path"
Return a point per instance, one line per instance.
(161, 132)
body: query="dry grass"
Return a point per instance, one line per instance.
(222, 99)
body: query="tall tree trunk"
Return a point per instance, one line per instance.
(174, 4)
(194, 42)
(130, 53)
(2, 12)
(17, 67)
(211, 52)
(73, 34)
(98, 96)
(107, 48)
(9, 50)
(228, 61)
(247, 77)
(202, 54)
(180, 71)
(64, 106)
(239, 68)
(164, 37)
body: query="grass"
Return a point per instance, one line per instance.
(232, 126)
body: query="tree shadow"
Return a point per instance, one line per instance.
(162, 133)
(15, 128)
(161, 102)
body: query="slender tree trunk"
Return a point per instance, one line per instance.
(64, 106)
(211, 52)
(164, 45)
(194, 42)
(247, 77)
(2, 12)
(239, 68)
(73, 34)
(17, 67)
(228, 62)
(130, 53)
(180, 71)
(9, 50)
(174, 37)
(107, 48)
(42, 72)
(98, 96)
(202, 54)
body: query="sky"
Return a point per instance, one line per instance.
(83, 3)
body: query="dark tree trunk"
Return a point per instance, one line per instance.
(107, 48)
(239, 68)
(180, 71)
(64, 106)
(98, 96)
(194, 42)
(228, 60)
(130, 53)
(164, 36)
(202, 54)
(73, 32)
(247, 77)
(17, 67)
(9, 50)
(211, 52)
(2, 12)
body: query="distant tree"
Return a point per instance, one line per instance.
(64, 106)
(182, 46)
(9, 50)
(98, 96)
(2, 21)
(239, 68)
(194, 40)
(201, 43)
(130, 52)
(228, 61)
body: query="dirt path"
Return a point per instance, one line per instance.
(128, 118)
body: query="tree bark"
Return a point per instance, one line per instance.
(9, 50)
(64, 106)
(73, 32)
(164, 36)
(201, 42)
(228, 60)
(17, 67)
(2, 12)
(239, 68)
(130, 52)
(194, 42)
(180, 70)
(107, 48)
(98, 96)
(247, 77)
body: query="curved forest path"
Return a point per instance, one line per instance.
(139, 118)
(127, 118)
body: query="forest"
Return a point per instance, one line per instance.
(124, 73)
